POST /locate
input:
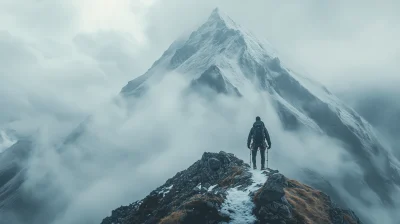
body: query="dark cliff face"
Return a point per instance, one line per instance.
(215, 81)
(220, 188)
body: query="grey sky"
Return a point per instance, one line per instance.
(329, 40)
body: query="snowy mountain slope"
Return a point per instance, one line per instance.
(12, 176)
(22, 201)
(382, 110)
(213, 44)
(7, 139)
(244, 62)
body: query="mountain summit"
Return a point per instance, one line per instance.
(220, 43)
(220, 17)
(221, 188)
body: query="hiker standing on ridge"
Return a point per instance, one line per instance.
(258, 134)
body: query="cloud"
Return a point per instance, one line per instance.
(60, 61)
(65, 85)
(129, 149)
(35, 19)
(126, 16)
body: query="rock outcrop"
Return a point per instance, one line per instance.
(220, 188)
(282, 200)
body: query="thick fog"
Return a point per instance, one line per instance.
(62, 62)
(129, 150)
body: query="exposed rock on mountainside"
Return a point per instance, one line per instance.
(220, 188)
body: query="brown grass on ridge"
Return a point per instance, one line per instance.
(229, 180)
(309, 204)
(173, 218)
(199, 199)
(349, 219)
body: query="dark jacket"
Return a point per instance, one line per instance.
(251, 134)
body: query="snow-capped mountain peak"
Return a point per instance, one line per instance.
(217, 16)
(218, 42)
(220, 20)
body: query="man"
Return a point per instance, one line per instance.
(258, 134)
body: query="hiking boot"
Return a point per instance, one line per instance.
(262, 168)
(254, 167)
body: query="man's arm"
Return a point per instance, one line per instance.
(249, 137)
(267, 137)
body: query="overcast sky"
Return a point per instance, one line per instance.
(330, 40)
(77, 54)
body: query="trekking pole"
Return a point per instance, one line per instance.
(267, 158)
(250, 158)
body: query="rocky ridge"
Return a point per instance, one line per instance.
(220, 188)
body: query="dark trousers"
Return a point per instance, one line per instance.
(254, 149)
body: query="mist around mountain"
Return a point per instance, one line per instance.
(381, 108)
(201, 95)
